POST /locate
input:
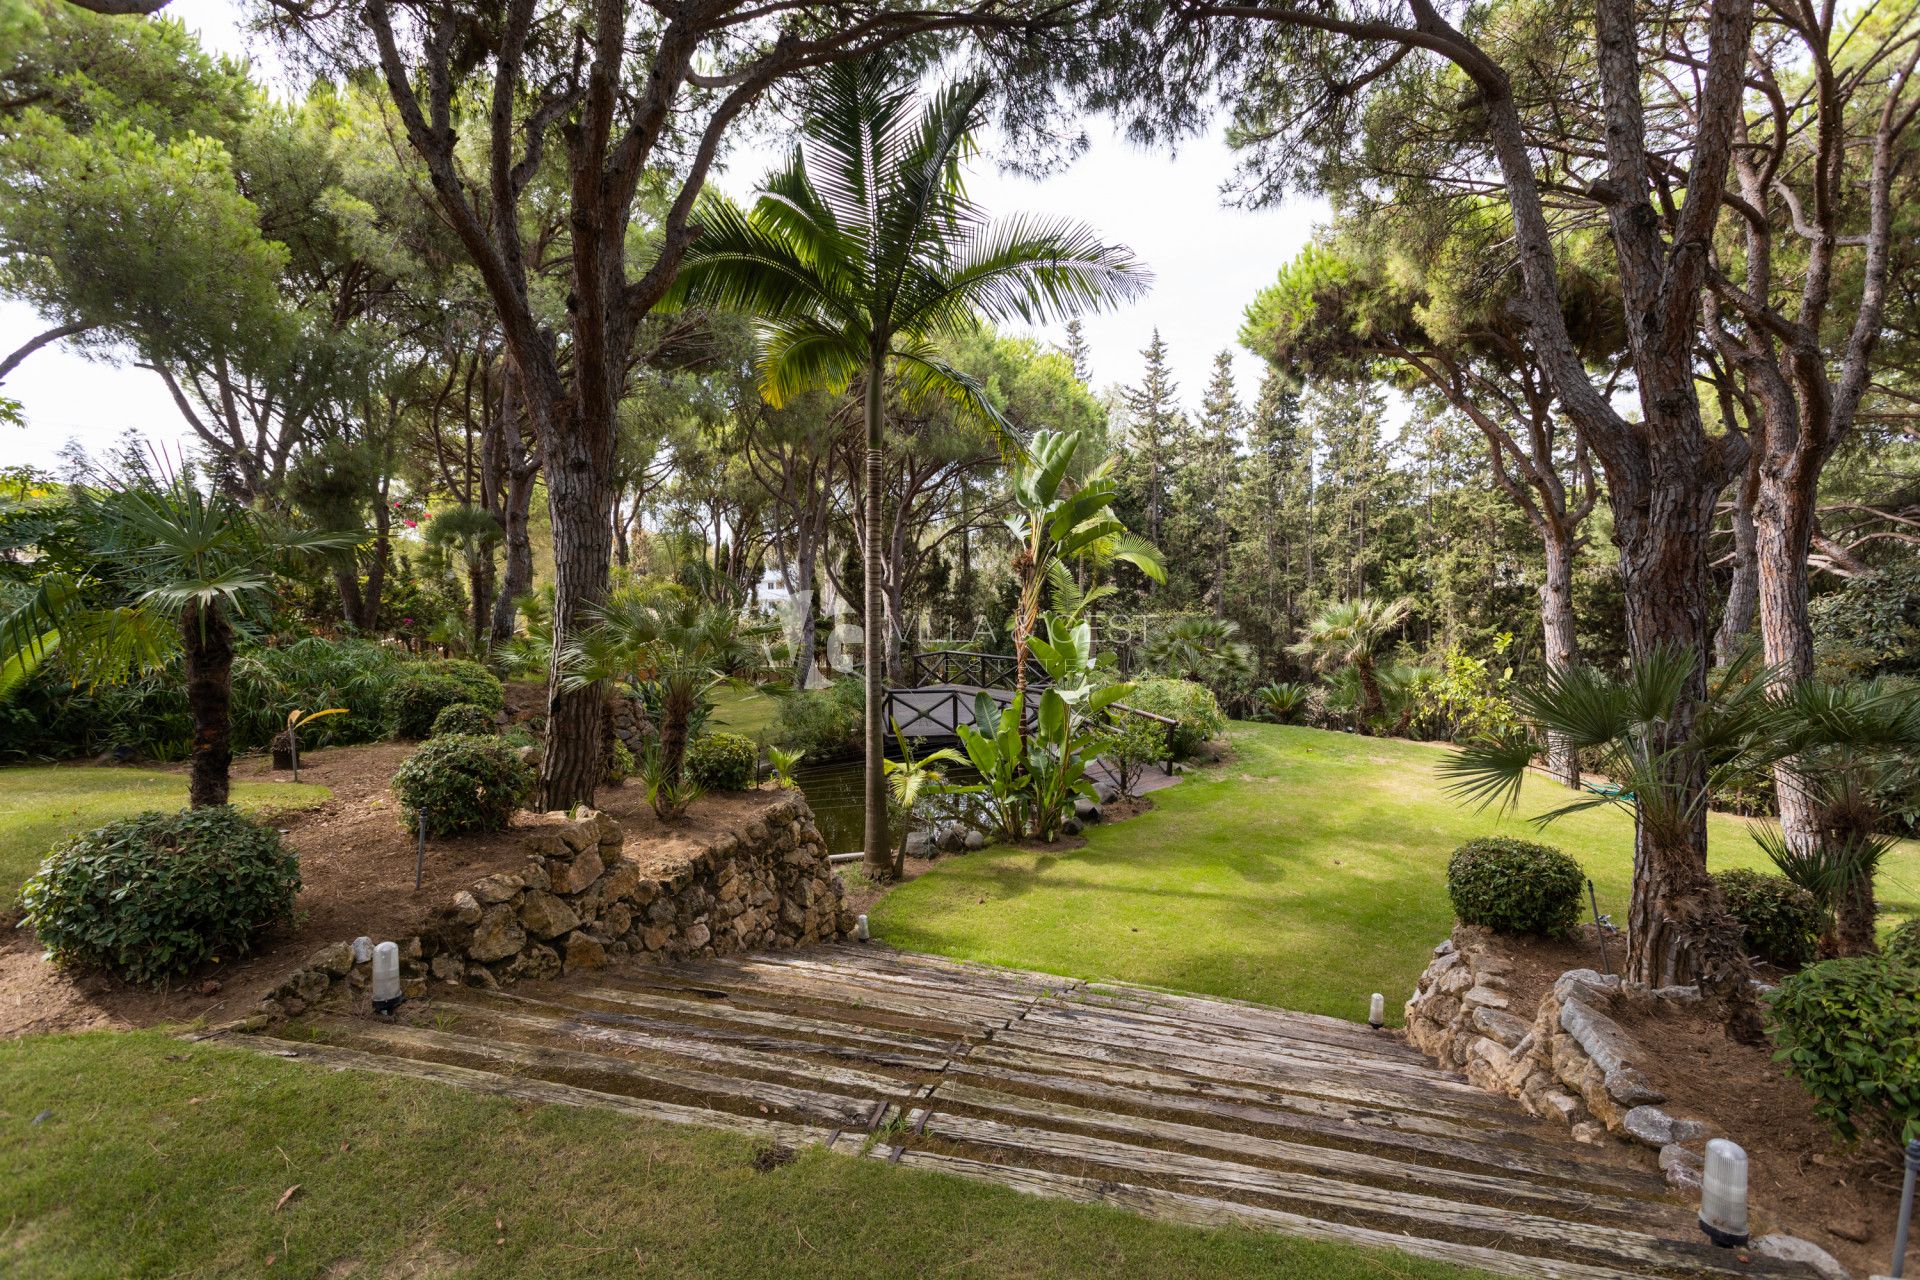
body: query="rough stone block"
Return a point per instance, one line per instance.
(1648, 1124)
(584, 951)
(465, 908)
(334, 960)
(497, 887)
(546, 916)
(574, 876)
(497, 936)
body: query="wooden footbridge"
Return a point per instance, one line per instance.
(1201, 1111)
(942, 687)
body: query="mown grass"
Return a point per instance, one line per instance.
(42, 804)
(1308, 871)
(134, 1154)
(744, 708)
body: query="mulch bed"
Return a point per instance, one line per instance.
(1801, 1180)
(356, 868)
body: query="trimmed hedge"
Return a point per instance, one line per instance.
(464, 782)
(1193, 706)
(723, 761)
(424, 691)
(464, 717)
(1849, 1031)
(152, 896)
(1513, 886)
(1779, 921)
(1903, 944)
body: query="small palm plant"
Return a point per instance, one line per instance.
(909, 780)
(861, 255)
(1351, 634)
(1282, 700)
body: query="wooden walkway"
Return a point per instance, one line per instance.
(1188, 1109)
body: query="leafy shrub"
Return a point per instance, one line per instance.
(723, 761)
(1465, 697)
(1869, 627)
(1283, 701)
(1780, 921)
(1193, 706)
(1129, 746)
(463, 717)
(152, 896)
(824, 723)
(1849, 1031)
(463, 782)
(620, 763)
(1903, 944)
(1513, 886)
(669, 797)
(420, 694)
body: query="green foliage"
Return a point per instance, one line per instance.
(152, 896)
(723, 761)
(620, 763)
(420, 694)
(462, 782)
(1193, 706)
(670, 795)
(1849, 1031)
(784, 762)
(1780, 921)
(823, 723)
(1466, 697)
(1869, 627)
(993, 747)
(464, 717)
(1205, 650)
(1514, 886)
(1130, 745)
(1283, 701)
(1903, 944)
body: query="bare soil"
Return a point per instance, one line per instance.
(1801, 1180)
(357, 870)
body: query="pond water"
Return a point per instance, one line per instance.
(833, 791)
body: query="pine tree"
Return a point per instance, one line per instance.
(1155, 430)
(1209, 468)
(1356, 491)
(1078, 353)
(1271, 570)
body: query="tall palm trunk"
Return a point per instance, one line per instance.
(873, 644)
(1373, 707)
(208, 642)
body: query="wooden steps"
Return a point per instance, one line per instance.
(1189, 1109)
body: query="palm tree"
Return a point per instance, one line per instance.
(864, 251)
(1056, 521)
(193, 561)
(1350, 633)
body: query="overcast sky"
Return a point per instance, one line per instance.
(1207, 262)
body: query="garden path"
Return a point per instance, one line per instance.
(1195, 1110)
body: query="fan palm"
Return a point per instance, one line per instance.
(864, 251)
(194, 561)
(1350, 634)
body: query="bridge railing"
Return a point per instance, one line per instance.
(921, 714)
(965, 666)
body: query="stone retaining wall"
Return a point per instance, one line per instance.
(583, 899)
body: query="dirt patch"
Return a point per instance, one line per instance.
(356, 868)
(1538, 962)
(1845, 1200)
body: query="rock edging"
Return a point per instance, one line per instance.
(581, 901)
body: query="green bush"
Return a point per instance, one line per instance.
(620, 763)
(723, 762)
(1903, 944)
(1849, 1031)
(1513, 886)
(464, 717)
(1779, 920)
(824, 723)
(421, 693)
(1131, 745)
(1193, 706)
(152, 896)
(463, 782)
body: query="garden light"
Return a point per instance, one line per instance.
(1723, 1194)
(860, 928)
(386, 978)
(1377, 1011)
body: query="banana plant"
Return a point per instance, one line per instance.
(908, 780)
(1057, 755)
(993, 747)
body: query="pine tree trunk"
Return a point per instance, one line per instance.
(873, 646)
(1743, 595)
(578, 461)
(1562, 644)
(207, 640)
(1783, 534)
(517, 581)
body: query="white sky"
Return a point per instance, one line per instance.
(1207, 263)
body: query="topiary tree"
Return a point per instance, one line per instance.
(723, 761)
(462, 782)
(464, 718)
(152, 896)
(1780, 920)
(1514, 886)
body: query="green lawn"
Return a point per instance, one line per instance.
(133, 1154)
(1306, 872)
(41, 804)
(743, 708)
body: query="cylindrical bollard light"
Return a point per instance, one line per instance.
(860, 928)
(386, 977)
(1377, 1011)
(1723, 1194)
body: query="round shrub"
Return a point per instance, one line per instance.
(723, 761)
(1779, 920)
(1512, 886)
(464, 717)
(152, 896)
(482, 687)
(425, 689)
(1849, 1031)
(463, 782)
(1903, 944)
(1197, 713)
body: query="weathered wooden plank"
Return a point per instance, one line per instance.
(527, 1090)
(1205, 1211)
(874, 1007)
(729, 1011)
(895, 968)
(1432, 1214)
(1441, 1187)
(1224, 1011)
(863, 990)
(1379, 1045)
(416, 1042)
(1463, 1145)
